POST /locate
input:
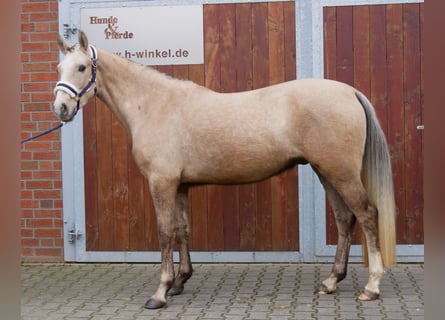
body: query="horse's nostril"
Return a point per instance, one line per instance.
(64, 108)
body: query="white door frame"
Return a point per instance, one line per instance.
(313, 248)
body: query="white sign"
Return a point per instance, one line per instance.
(148, 35)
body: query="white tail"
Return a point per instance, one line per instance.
(378, 181)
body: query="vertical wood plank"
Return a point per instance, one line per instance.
(136, 207)
(330, 42)
(378, 94)
(228, 64)
(277, 75)
(290, 68)
(396, 117)
(330, 71)
(200, 226)
(413, 117)
(120, 185)
(198, 199)
(244, 81)
(90, 167)
(260, 63)
(291, 177)
(151, 226)
(104, 177)
(345, 56)
(260, 46)
(360, 44)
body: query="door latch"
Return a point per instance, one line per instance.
(73, 235)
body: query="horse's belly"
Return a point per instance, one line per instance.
(237, 170)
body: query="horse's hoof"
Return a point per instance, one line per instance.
(174, 291)
(325, 290)
(368, 296)
(154, 304)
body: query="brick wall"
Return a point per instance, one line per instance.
(41, 176)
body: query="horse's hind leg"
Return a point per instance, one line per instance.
(345, 221)
(356, 198)
(182, 240)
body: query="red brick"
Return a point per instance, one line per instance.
(40, 223)
(46, 16)
(45, 156)
(28, 27)
(44, 56)
(36, 66)
(37, 86)
(58, 242)
(25, 194)
(44, 76)
(29, 203)
(58, 223)
(29, 165)
(46, 204)
(27, 252)
(25, 175)
(43, 36)
(54, 26)
(47, 194)
(25, 77)
(48, 174)
(48, 233)
(35, 7)
(47, 213)
(42, 27)
(26, 242)
(54, 252)
(24, 57)
(42, 96)
(26, 155)
(44, 116)
(25, 97)
(28, 126)
(35, 46)
(36, 106)
(24, 17)
(38, 145)
(58, 204)
(39, 184)
(58, 165)
(27, 233)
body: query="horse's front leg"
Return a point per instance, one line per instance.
(182, 240)
(163, 193)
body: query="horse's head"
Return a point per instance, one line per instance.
(77, 75)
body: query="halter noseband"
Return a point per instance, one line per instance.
(72, 90)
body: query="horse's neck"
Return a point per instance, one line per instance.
(124, 86)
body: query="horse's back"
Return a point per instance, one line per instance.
(251, 135)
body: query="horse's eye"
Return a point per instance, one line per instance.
(82, 68)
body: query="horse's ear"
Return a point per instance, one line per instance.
(83, 40)
(63, 46)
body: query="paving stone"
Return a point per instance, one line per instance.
(216, 291)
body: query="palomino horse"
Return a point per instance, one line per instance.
(184, 134)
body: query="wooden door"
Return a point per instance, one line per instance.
(378, 49)
(247, 46)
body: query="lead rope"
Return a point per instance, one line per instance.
(43, 133)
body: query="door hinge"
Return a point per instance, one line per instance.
(67, 29)
(74, 235)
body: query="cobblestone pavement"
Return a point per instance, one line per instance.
(216, 291)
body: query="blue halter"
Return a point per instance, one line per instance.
(72, 90)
